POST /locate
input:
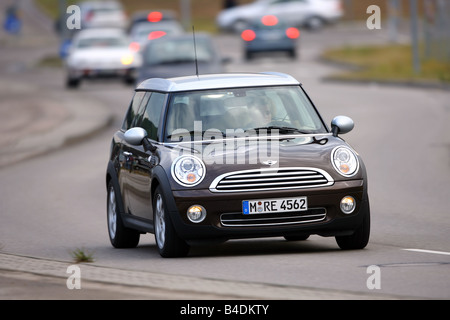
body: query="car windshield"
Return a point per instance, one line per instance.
(177, 51)
(259, 110)
(102, 42)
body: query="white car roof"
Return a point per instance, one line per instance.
(217, 81)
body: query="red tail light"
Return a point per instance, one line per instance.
(269, 20)
(156, 35)
(155, 16)
(248, 35)
(134, 47)
(292, 33)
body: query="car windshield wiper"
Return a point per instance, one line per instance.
(192, 133)
(281, 129)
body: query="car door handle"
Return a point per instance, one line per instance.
(126, 153)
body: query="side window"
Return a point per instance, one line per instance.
(152, 114)
(133, 110)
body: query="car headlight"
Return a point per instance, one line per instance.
(345, 161)
(188, 171)
(127, 59)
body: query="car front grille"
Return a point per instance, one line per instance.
(271, 179)
(272, 219)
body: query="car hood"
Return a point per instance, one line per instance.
(230, 155)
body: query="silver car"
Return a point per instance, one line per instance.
(312, 14)
(99, 53)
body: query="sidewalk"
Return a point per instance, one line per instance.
(48, 277)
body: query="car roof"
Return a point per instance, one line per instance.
(217, 81)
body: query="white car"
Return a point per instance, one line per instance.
(99, 53)
(312, 14)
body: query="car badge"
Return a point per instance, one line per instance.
(270, 162)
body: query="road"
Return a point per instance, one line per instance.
(52, 204)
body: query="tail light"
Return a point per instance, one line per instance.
(269, 20)
(248, 35)
(154, 16)
(156, 35)
(292, 33)
(134, 46)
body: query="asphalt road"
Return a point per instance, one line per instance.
(52, 204)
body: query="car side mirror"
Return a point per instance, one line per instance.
(135, 136)
(342, 125)
(138, 136)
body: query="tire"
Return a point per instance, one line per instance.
(239, 26)
(169, 244)
(72, 83)
(315, 23)
(296, 238)
(119, 235)
(360, 238)
(292, 54)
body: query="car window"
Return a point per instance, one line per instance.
(152, 114)
(241, 109)
(178, 50)
(102, 42)
(133, 110)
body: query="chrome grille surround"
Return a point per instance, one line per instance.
(271, 179)
(272, 219)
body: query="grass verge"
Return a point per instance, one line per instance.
(390, 63)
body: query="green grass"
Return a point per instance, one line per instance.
(80, 255)
(387, 63)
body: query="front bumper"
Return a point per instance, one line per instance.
(92, 73)
(324, 216)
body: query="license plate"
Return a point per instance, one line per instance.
(274, 205)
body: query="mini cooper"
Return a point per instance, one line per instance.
(231, 156)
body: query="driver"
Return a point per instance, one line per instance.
(260, 111)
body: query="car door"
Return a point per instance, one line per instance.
(126, 158)
(140, 175)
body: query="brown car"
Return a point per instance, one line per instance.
(228, 156)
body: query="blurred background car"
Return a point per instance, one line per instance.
(143, 32)
(169, 57)
(268, 34)
(100, 14)
(311, 14)
(98, 53)
(153, 16)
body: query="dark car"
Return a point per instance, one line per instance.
(269, 34)
(174, 56)
(226, 156)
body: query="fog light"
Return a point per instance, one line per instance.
(196, 213)
(348, 204)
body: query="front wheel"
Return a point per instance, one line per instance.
(360, 238)
(119, 235)
(168, 243)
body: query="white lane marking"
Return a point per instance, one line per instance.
(428, 251)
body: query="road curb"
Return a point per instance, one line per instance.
(191, 286)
